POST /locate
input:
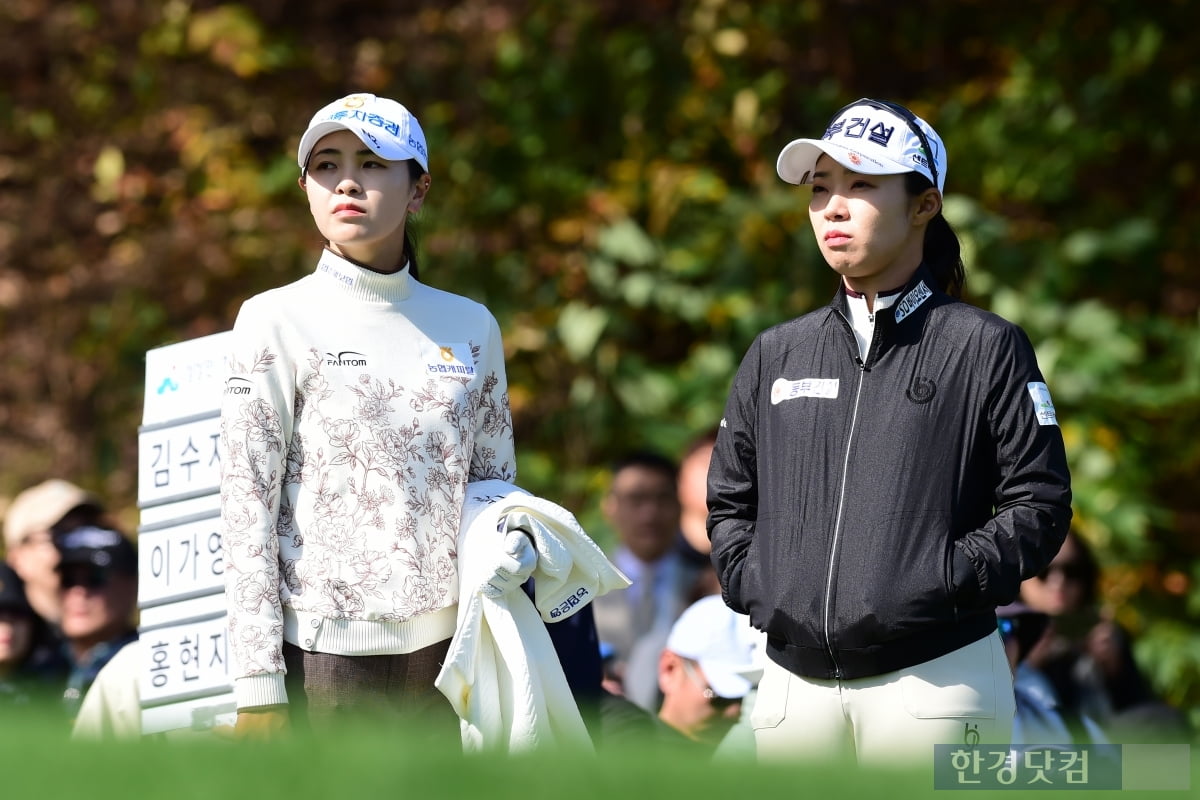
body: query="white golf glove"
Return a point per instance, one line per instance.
(517, 559)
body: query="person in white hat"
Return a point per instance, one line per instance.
(887, 471)
(360, 404)
(29, 526)
(705, 670)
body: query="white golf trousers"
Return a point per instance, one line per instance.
(895, 719)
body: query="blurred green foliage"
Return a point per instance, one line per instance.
(604, 182)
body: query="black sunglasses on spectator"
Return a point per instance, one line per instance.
(1070, 570)
(89, 577)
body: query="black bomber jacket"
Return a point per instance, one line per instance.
(871, 516)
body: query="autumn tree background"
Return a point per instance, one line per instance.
(603, 179)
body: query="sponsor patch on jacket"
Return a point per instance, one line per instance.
(784, 389)
(912, 301)
(453, 359)
(1043, 406)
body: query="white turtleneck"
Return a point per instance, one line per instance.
(862, 320)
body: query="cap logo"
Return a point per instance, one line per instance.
(856, 128)
(415, 145)
(372, 119)
(888, 138)
(386, 127)
(90, 537)
(881, 134)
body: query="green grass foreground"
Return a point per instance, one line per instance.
(38, 761)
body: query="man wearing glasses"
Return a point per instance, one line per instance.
(98, 573)
(705, 671)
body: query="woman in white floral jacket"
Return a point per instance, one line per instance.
(359, 405)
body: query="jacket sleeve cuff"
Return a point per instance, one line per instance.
(260, 690)
(967, 590)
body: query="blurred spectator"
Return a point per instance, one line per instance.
(693, 514)
(1038, 717)
(643, 508)
(1087, 658)
(112, 705)
(706, 670)
(16, 638)
(22, 678)
(708, 665)
(29, 526)
(98, 572)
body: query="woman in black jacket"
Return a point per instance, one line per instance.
(888, 469)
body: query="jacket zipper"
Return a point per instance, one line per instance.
(837, 525)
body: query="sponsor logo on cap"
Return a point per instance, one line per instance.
(90, 537)
(415, 145)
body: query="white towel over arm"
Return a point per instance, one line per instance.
(502, 674)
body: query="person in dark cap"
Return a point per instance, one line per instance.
(98, 573)
(23, 674)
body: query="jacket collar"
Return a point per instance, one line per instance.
(913, 297)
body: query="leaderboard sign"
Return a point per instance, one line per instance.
(184, 681)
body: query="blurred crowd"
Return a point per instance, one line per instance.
(664, 660)
(1075, 675)
(68, 596)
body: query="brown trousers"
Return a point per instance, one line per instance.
(395, 691)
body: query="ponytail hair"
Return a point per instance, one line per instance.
(415, 173)
(942, 253)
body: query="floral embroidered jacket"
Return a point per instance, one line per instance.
(358, 407)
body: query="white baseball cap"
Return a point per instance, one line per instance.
(872, 137)
(386, 127)
(721, 641)
(41, 507)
